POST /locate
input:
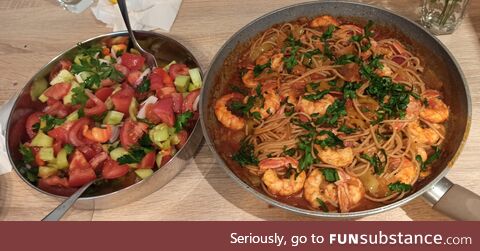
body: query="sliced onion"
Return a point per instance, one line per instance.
(144, 74)
(96, 55)
(113, 53)
(101, 60)
(119, 60)
(115, 134)
(195, 103)
(143, 110)
(79, 78)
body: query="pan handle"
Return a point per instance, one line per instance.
(454, 200)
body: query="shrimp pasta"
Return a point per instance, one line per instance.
(331, 115)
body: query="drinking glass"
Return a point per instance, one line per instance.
(443, 16)
(75, 6)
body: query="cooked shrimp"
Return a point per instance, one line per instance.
(227, 118)
(278, 162)
(264, 58)
(336, 157)
(319, 106)
(283, 186)
(323, 21)
(436, 111)
(350, 191)
(425, 136)
(271, 104)
(411, 113)
(406, 172)
(277, 62)
(249, 79)
(316, 187)
(385, 71)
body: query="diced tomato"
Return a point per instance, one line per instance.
(189, 101)
(98, 108)
(78, 161)
(165, 159)
(112, 170)
(133, 76)
(63, 64)
(81, 176)
(177, 69)
(150, 115)
(56, 185)
(75, 136)
(56, 108)
(106, 82)
(159, 78)
(59, 133)
(97, 134)
(38, 160)
(177, 99)
(57, 146)
(132, 61)
(58, 91)
(122, 99)
(98, 159)
(182, 136)
(90, 151)
(121, 68)
(102, 94)
(165, 91)
(55, 181)
(148, 161)
(131, 132)
(32, 120)
(163, 109)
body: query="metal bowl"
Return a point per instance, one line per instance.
(165, 50)
(446, 197)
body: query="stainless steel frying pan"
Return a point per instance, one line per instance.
(453, 200)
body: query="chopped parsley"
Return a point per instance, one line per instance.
(374, 160)
(349, 90)
(309, 54)
(305, 144)
(330, 174)
(245, 155)
(68, 148)
(144, 86)
(330, 141)
(27, 154)
(289, 152)
(347, 130)
(367, 33)
(182, 120)
(291, 60)
(135, 155)
(348, 58)
(327, 34)
(317, 96)
(49, 122)
(322, 205)
(333, 114)
(430, 159)
(258, 69)
(399, 187)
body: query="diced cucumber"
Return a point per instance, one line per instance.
(159, 133)
(64, 76)
(174, 140)
(113, 118)
(42, 140)
(68, 98)
(144, 173)
(61, 162)
(39, 85)
(43, 98)
(82, 76)
(196, 79)
(182, 83)
(46, 171)
(165, 145)
(46, 154)
(81, 57)
(133, 109)
(72, 116)
(118, 152)
(167, 67)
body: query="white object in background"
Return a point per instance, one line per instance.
(144, 14)
(75, 6)
(5, 166)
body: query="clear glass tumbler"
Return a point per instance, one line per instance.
(75, 6)
(443, 16)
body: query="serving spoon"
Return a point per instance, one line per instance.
(149, 57)
(59, 211)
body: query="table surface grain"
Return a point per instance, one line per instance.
(33, 32)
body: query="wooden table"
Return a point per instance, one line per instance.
(33, 32)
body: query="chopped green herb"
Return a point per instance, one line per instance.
(30, 173)
(399, 187)
(349, 90)
(79, 97)
(144, 86)
(430, 159)
(347, 130)
(330, 141)
(289, 152)
(333, 114)
(348, 58)
(245, 155)
(68, 148)
(317, 96)
(328, 33)
(375, 161)
(331, 174)
(50, 122)
(322, 205)
(309, 54)
(182, 120)
(27, 154)
(135, 155)
(239, 89)
(258, 69)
